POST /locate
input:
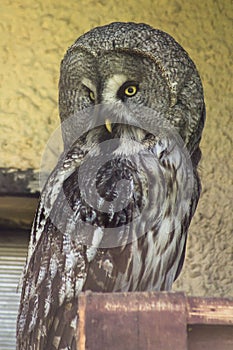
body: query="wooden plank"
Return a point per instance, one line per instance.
(216, 311)
(150, 321)
(208, 337)
(19, 193)
(129, 321)
(17, 212)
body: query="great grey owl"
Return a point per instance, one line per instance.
(114, 213)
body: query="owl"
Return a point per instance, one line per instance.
(114, 213)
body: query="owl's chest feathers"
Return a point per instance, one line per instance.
(152, 240)
(125, 184)
(141, 265)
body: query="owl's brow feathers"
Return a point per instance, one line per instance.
(171, 84)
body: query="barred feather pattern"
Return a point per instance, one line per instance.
(115, 211)
(60, 265)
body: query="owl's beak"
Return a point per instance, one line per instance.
(108, 125)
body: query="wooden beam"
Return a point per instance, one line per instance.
(209, 311)
(151, 320)
(210, 337)
(19, 193)
(210, 323)
(17, 212)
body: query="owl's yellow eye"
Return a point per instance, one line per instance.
(127, 90)
(131, 90)
(91, 95)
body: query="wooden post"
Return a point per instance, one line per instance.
(210, 323)
(150, 321)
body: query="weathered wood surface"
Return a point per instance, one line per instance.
(210, 337)
(19, 193)
(17, 212)
(149, 321)
(209, 311)
(16, 182)
(210, 323)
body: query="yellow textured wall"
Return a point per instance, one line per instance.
(34, 36)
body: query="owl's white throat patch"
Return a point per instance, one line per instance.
(128, 147)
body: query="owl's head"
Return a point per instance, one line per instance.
(132, 68)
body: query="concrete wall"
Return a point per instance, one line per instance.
(34, 36)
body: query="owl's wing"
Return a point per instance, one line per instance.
(55, 275)
(55, 270)
(60, 251)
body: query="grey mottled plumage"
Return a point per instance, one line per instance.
(115, 211)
